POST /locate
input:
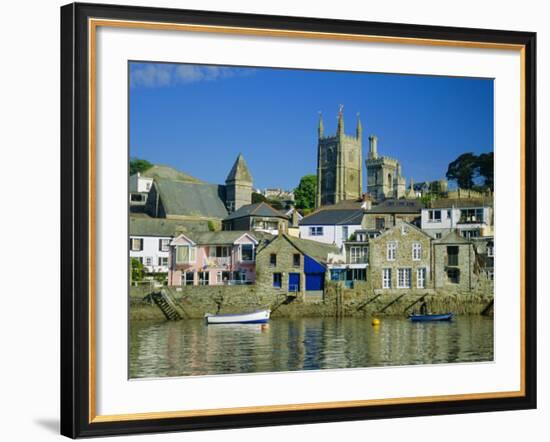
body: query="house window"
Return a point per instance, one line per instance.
(452, 255)
(147, 186)
(438, 236)
(164, 245)
(345, 234)
(421, 278)
(386, 278)
(219, 278)
(434, 216)
(137, 197)
(163, 261)
(490, 250)
(358, 254)
(316, 231)
(247, 252)
(403, 278)
(220, 251)
(416, 251)
(273, 260)
(185, 254)
(468, 216)
(470, 233)
(204, 278)
(149, 261)
(277, 279)
(391, 249)
(188, 278)
(296, 260)
(136, 244)
(380, 223)
(453, 275)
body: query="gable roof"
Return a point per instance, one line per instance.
(239, 171)
(332, 217)
(146, 226)
(317, 250)
(191, 199)
(452, 237)
(223, 237)
(398, 225)
(169, 173)
(398, 206)
(256, 209)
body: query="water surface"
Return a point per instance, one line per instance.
(190, 347)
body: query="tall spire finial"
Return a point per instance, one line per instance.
(341, 119)
(359, 127)
(321, 128)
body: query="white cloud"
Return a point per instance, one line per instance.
(162, 75)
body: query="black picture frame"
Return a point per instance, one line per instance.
(75, 221)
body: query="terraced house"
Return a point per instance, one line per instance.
(213, 258)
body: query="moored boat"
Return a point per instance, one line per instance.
(426, 318)
(257, 317)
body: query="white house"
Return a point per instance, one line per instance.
(139, 187)
(331, 226)
(472, 218)
(150, 241)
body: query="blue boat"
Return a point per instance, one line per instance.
(427, 318)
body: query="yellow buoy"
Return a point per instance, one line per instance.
(375, 321)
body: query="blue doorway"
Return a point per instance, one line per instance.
(293, 282)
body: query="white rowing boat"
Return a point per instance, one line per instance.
(257, 317)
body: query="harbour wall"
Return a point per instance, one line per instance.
(336, 300)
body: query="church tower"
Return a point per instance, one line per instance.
(339, 164)
(238, 186)
(384, 179)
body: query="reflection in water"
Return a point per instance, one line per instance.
(191, 347)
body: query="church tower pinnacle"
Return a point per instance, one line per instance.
(238, 185)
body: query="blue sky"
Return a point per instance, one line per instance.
(198, 118)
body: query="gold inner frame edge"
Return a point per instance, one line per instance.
(93, 24)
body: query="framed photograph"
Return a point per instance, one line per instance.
(274, 220)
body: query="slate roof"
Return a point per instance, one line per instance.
(257, 209)
(447, 203)
(314, 249)
(191, 199)
(223, 237)
(331, 217)
(169, 173)
(239, 171)
(398, 206)
(146, 226)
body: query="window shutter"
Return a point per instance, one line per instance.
(141, 244)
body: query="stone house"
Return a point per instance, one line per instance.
(213, 258)
(259, 217)
(291, 265)
(352, 263)
(400, 260)
(455, 262)
(389, 212)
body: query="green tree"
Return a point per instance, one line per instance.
(304, 194)
(139, 165)
(463, 170)
(485, 163)
(258, 198)
(138, 271)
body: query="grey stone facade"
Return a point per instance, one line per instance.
(384, 179)
(339, 165)
(238, 186)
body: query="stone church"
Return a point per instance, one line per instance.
(340, 168)
(339, 164)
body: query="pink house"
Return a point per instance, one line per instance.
(212, 258)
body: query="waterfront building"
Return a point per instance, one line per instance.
(455, 262)
(213, 258)
(260, 217)
(287, 264)
(473, 218)
(388, 213)
(332, 224)
(400, 260)
(150, 240)
(351, 264)
(339, 164)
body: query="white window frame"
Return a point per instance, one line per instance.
(391, 250)
(316, 231)
(431, 216)
(386, 278)
(421, 277)
(416, 251)
(192, 254)
(402, 280)
(164, 244)
(161, 260)
(139, 248)
(148, 261)
(345, 233)
(241, 253)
